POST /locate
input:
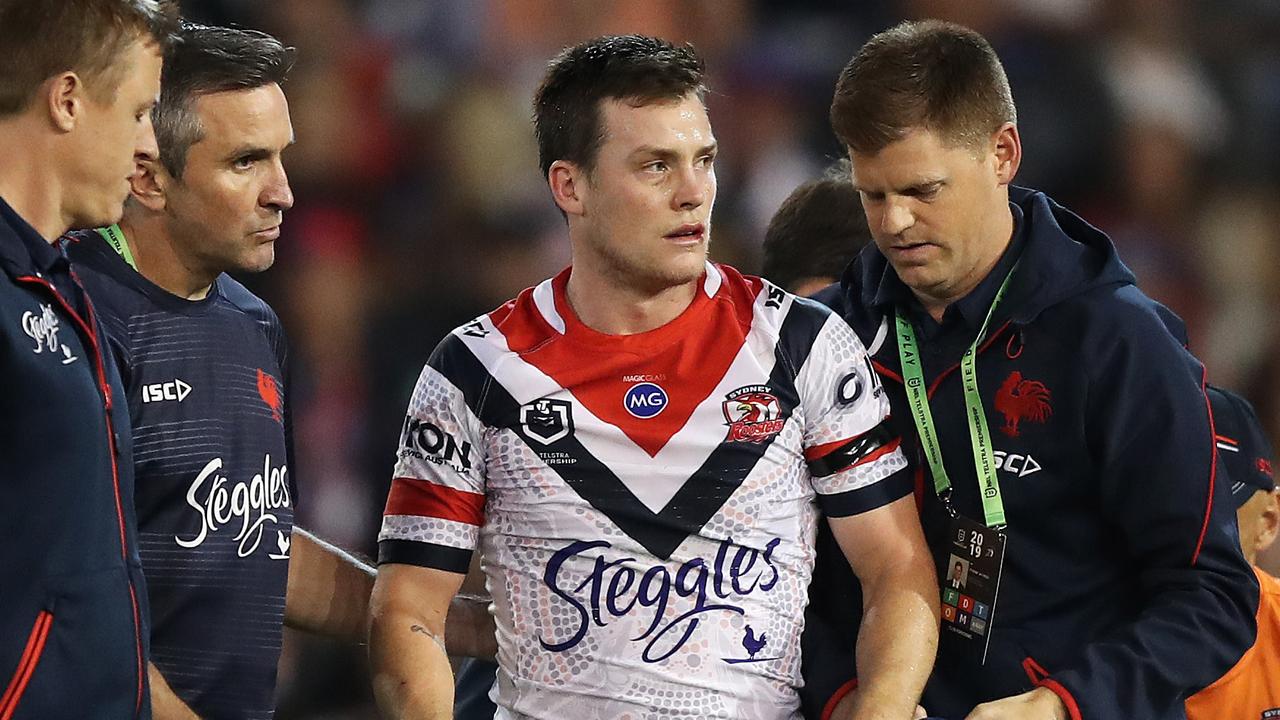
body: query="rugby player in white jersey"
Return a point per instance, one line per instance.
(639, 447)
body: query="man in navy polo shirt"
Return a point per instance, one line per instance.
(205, 370)
(76, 82)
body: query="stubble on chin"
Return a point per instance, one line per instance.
(636, 271)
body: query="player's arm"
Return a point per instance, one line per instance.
(898, 638)
(412, 679)
(165, 704)
(471, 626)
(328, 590)
(859, 473)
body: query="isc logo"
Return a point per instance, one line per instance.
(1020, 465)
(645, 400)
(175, 389)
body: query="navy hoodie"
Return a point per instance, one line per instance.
(73, 636)
(1124, 590)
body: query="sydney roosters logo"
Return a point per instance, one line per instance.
(269, 391)
(1264, 467)
(753, 414)
(1019, 400)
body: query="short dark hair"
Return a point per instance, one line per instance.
(639, 69)
(930, 74)
(42, 38)
(819, 228)
(207, 59)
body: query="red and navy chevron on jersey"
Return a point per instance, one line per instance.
(645, 505)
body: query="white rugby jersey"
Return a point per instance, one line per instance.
(645, 505)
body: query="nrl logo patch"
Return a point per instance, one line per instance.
(547, 421)
(753, 414)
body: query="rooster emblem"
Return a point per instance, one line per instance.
(752, 644)
(1019, 399)
(270, 393)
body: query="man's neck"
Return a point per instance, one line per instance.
(29, 184)
(608, 306)
(158, 260)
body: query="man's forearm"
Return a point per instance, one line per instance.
(412, 679)
(897, 642)
(328, 589)
(165, 704)
(471, 631)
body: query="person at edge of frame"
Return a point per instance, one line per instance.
(204, 365)
(77, 79)
(1251, 689)
(1123, 589)
(655, 426)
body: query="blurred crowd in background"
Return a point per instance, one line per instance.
(420, 204)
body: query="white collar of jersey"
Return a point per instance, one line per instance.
(544, 296)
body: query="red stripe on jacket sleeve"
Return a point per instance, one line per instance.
(412, 496)
(1213, 466)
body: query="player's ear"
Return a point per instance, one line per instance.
(148, 183)
(568, 183)
(1269, 523)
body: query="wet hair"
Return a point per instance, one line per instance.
(204, 60)
(933, 75)
(634, 68)
(43, 38)
(816, 231)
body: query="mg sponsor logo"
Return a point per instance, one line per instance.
(645, 400)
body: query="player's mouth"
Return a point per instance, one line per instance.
(688, 234)
(271, 233)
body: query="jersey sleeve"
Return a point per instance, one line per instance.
(850, 445)
(436, 504)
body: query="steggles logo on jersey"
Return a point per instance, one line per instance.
(620, 587)
(43, 329)
(645, 400)
(222, 503)
(547, 420)
(425, 440)
(269, 391)
(753, 414)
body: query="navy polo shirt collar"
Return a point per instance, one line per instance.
(24, 248)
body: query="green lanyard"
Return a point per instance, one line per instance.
(918, 398)
(115, 238)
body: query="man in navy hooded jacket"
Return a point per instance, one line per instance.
(76, 82)
(1123, 589)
